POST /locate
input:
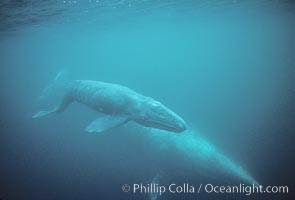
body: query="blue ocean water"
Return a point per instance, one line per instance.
(226, 67)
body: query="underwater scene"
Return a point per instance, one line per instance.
(147, 99)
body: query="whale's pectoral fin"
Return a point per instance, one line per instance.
(106, 123)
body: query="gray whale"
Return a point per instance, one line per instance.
(120, 104)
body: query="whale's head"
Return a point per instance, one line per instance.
(154, 114)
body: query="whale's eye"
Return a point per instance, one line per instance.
(156, 104)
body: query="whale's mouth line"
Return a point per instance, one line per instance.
(163, 125)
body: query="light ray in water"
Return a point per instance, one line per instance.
(154, 195)
(197, 148)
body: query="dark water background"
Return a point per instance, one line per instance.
(226, 67)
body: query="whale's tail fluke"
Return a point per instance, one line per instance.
(44, 113)
(55, 89)
(57, 85)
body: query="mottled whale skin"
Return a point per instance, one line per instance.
(120, 104)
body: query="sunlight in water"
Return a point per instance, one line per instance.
(197, 148)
